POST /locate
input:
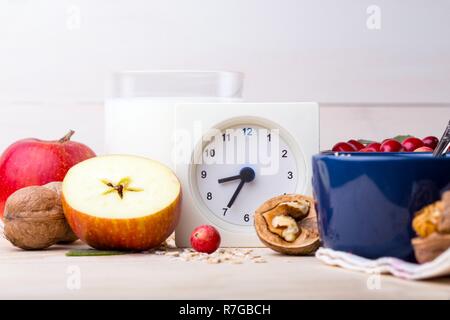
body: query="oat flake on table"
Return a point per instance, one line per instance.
(222, 255)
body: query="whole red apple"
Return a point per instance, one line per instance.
(205, 239)
(34, 162)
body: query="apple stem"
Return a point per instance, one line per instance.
(67, 136)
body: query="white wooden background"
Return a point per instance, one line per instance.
(55, 56)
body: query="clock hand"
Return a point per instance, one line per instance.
(246, 174)
(235, 194)
(229, 178)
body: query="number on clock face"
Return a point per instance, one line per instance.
(242, 167)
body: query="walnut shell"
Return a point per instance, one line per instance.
(308, 240)
(69, 236)
(34, 218)
(429, 248)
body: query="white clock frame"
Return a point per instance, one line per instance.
(299, 126)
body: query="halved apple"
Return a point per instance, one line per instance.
(121, 202)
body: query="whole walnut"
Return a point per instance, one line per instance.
(69, 236)
(34, 218)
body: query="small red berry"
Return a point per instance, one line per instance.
(411, 144)
(430, 142)
(367, 149)
(343, 147)
(374, 146)
(424, 149)
(205, 239)
(391, 145)
(355, 144)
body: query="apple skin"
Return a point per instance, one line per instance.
(34, 162)
(136, 234)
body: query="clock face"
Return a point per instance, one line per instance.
(241, 167)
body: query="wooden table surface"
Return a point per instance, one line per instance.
(49, 275)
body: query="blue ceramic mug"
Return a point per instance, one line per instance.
(366, 201)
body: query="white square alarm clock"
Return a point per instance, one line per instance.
(232, 157)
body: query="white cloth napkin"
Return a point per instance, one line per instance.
(439, 267)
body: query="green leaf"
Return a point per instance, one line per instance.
(400, 138)
(93, 252)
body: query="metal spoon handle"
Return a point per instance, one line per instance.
(444, 143)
